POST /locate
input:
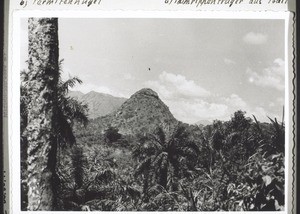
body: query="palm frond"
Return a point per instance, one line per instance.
(156, 141)
(133, 192)
(157, 160)
(106, 176)
(186, 152)
(257, 125)
(271, 120)
(282, 120)
(232, 138)
(143, 166)
(143, 150)
(70, 83)
(64, 130)
(74, 109)
(161, 135)
(165, 202)
(180, 132)
(193, 145)
(156, 189)
(24, 76)
(277, 127)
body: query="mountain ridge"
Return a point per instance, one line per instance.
(100, 104)
(141, 113)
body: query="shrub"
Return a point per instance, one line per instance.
(112, 134)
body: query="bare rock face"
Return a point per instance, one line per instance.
(141, 113)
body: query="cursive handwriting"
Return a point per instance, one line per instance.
(88, 3)
(198, 3)
(229, 3)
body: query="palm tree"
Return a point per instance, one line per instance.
(277, 138)
(48, 112)
(69, 110)
(161, 157)
(42, 113)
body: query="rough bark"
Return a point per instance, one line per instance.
(40, 131)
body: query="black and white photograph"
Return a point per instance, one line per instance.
(153, 114)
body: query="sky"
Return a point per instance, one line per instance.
(202, 69)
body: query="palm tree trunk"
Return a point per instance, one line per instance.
(40, 131)
(175, 176)
(164, 177)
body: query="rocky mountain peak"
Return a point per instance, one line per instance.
(146, 92)
(142, 112)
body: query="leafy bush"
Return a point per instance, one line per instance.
(112, 134)
(262, 185)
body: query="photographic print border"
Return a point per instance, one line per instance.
(14, 83)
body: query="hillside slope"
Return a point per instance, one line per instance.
(141, 113)
(99, 104)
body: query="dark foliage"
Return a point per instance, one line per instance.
(112, 134)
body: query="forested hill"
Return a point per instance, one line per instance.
(142, 112)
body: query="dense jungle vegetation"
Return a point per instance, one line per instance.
(234, 165)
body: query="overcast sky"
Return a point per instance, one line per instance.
(203, 69)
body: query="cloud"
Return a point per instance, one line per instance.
(128, 76)
(221, 109)
(272, 76)
(229, 61)
(185, 98)
(255, 38)
(235, 102)
(190, 103)
(192, 111)
(196, 110)
(271, 104)
(172, 86)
